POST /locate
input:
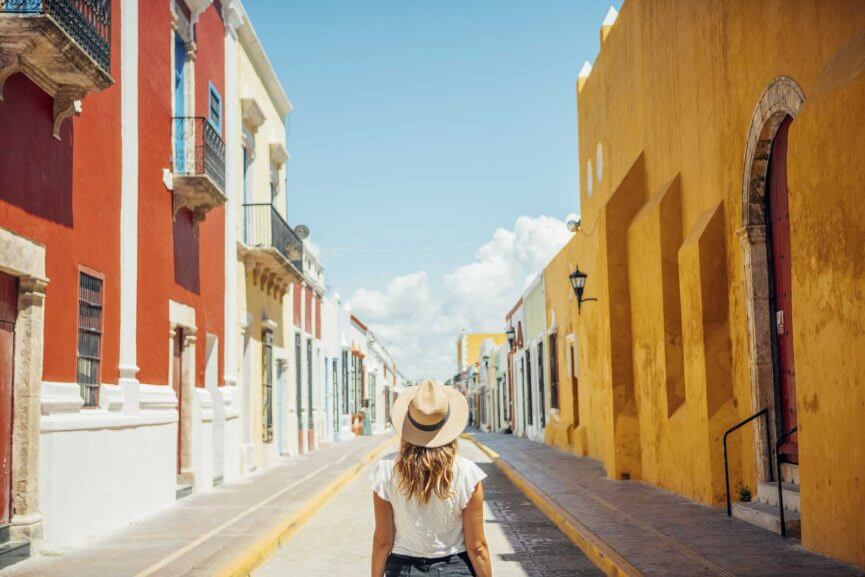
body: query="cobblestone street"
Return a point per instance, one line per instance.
(524, 543)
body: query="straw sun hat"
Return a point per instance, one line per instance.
(430, 415)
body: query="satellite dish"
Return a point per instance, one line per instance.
(302, 231)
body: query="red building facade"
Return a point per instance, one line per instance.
(112, 263)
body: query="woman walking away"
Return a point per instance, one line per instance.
(429, 501)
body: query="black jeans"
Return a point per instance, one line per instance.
(452, 566)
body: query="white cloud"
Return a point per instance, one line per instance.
(420, 327)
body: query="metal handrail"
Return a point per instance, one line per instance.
(264, 226)
(87, 22)
(758, 414)
(778, 444)
(199, 149)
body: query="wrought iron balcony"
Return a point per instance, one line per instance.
(270, 244)
(62, 45)
(198, 166)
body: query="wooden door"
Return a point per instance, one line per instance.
(177, 383)
(779, 229)
(267, 387)
(8, 312)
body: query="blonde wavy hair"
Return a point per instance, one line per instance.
(423, 472)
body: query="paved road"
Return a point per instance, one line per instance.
(336, 542)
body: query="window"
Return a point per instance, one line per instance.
(346, 396)
(215, 109)
(89, 337)
(554, 371)
(542, 406)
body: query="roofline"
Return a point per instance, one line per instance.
(253, 48)
(514, 309)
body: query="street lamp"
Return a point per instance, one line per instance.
(512, 336)
(578, 283)
(486, 359)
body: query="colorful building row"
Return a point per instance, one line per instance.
(163, 329)
(716, 276)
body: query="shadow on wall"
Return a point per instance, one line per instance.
(35, 167)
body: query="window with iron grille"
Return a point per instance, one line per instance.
(554, 371)
(89, 337)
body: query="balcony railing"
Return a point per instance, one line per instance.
(264, 227)
(87, 22)
(198, 149)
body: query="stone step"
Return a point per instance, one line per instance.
(790, 473)
(767, 517)
(12, 552)
(768, 493)
(183, 491)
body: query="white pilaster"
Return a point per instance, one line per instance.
(233, 17)
(129, 205)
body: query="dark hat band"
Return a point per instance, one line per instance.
(429, 428)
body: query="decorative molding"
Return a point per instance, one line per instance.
(253, 115)
(60, 398)
(10, 63)
(157, 397)
(278, 154)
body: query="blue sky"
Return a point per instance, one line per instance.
(420, 128)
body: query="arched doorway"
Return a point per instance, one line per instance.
(765, 240)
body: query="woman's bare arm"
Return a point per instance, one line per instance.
(473, 529)
(382, 540)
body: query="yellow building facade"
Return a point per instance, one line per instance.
(469, 347)
(683, 125)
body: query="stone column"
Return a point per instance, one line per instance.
(760, 360)
(27, 389)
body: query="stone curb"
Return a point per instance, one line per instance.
(244, 563)
(604, 556)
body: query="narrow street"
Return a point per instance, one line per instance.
(524, 543)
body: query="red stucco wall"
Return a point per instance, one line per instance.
(158, 279)
(67, 198)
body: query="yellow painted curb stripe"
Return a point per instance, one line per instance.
(605, 557)
(253, 556)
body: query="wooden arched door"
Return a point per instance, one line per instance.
(778, 221)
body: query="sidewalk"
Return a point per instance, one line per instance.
(224, 532)
(631, 528)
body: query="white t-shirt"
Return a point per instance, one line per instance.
(432, 530)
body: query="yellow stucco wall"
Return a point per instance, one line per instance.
(469, 346)
(664, 354)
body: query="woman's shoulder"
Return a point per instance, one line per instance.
(469, 468)
(388, 459)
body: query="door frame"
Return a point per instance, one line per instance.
(782, 98)
(25, 259)
(182, 320)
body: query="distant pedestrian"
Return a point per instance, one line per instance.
(429, 501)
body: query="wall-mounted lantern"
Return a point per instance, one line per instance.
(578, 283)
(512, 336)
